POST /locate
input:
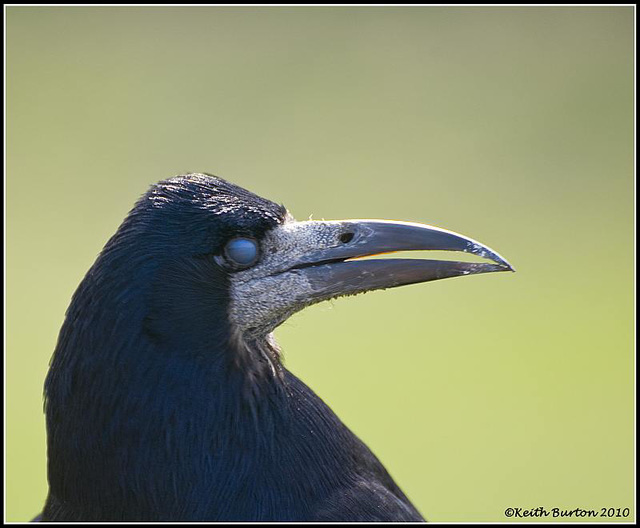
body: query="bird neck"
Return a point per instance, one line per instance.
(150, 402)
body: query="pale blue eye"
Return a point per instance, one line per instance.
(242, 251)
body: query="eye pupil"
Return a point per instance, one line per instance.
(242, 251)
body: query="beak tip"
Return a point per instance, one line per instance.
(501, 261)
(483, 251)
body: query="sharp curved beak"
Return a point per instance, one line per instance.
(332, 272)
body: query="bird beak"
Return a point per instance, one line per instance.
(333, 271)
(308, 262)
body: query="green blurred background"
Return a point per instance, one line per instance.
(513, 126)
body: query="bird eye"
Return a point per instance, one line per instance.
(241, 252)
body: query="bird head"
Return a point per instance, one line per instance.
(211, 244)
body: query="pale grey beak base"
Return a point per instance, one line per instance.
(307, 262)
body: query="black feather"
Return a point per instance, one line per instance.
(157, 410)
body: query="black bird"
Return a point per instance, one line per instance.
(166, 397)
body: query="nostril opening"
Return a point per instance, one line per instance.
(345, 238)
